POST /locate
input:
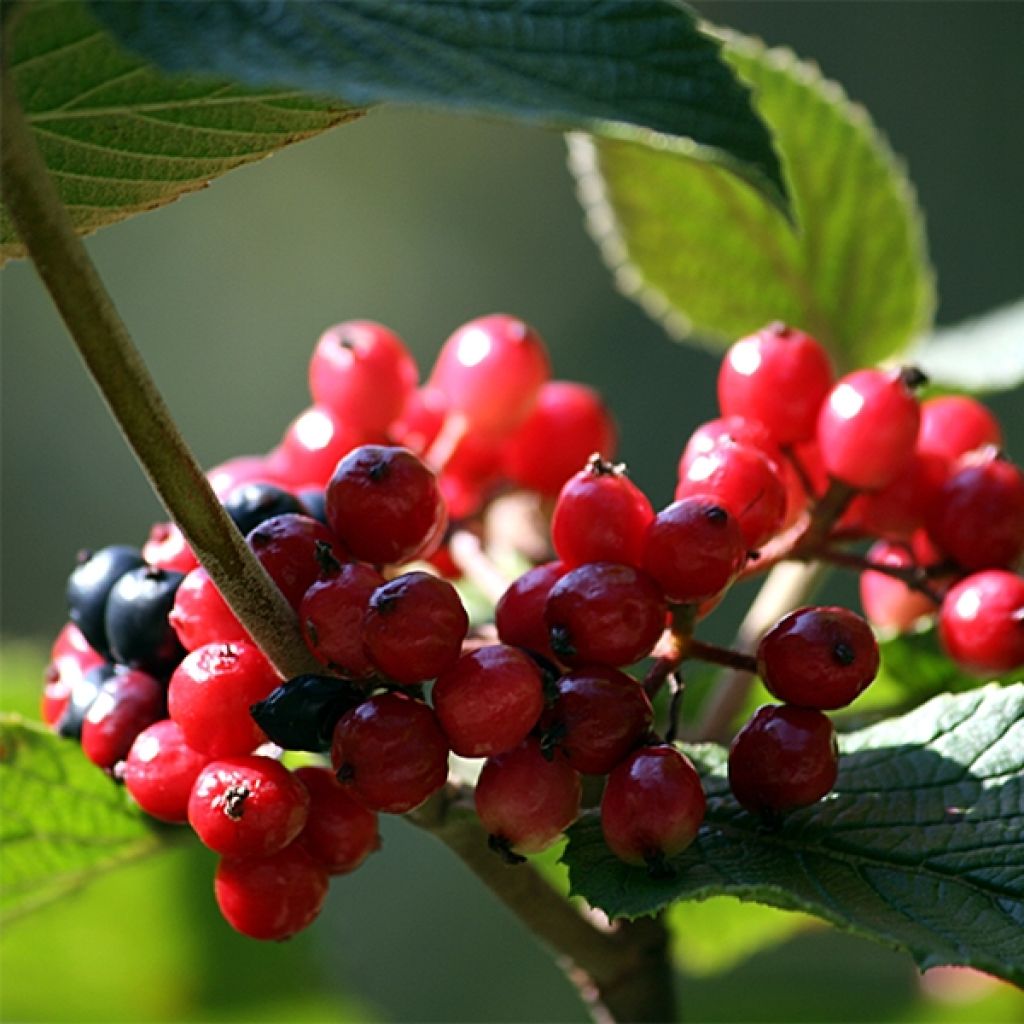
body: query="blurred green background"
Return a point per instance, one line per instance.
(423, 221)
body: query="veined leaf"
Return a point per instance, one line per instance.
(713, 262)
(920, 846)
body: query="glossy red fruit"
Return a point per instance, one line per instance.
(604, 614)
(600, 516)
(731, 430)
(489, 700)
(390, 753)
(981, 622)
(888, 603)
(491, 371)
(127, 703)
(779, 377)
(271, 897)
(166, 548)
(904, 505)
(470, 473)
(414, 628)
(385, 505)
(339, 832)
(421, 420)
(519, 614)
(868, 427)
(694, 549)
(363, 373)
(783, 758)
(201, 615)
(525, 801)
(313, 445)
(952, 425)
(161, 769)
(291, 548)
(652, 807)
(70, 658)
(597, 718)
(818, 657)
(243, 469)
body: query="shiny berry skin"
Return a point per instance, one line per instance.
(779, 377)
(250, 504)
(694, 549)
(489, 700)
(818, 657)
(525, 801)
(652, 807)
(243, 469)
(981, 622)
(136, 620)
(385, 505)
(166, 548)
(201, 615)
(313, 445)
(421, 420)
(604, 614)
(868, 427)
(161, 769)
(734, 430)
(745, 483)
(902, 506)
(89, 587)
(85, 688)
(292, 549)
(210, 694)
(390, 753)
(414, 628)
(952, 425)
(126, 704)
(888, 603)
(978, 517)
(519, 614)
(568, 424)
(600, 516)
(331, 615)
(363, 373)
(247, 806)
(598, 717)
(491, 371)
(340, 832)
(271, 897)
(70, 658)
(783, 758)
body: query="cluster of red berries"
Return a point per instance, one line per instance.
(351, 516)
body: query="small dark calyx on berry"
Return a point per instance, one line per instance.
(228, 651)
(601, 467)
(913, 377)
(346, 773)
(384, 604)
(551, 738)
(500, 845)
(561, 642)
(658, 865)
(311, 630)
(844, 654)
(778, 327)
(380, 470)
(344, 341)
(83, 556)
(234, 801)
(329, 565)
(716, 515)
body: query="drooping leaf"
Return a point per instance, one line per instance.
(63, 821)
(120, 138)
(713, 262)
(919, 847)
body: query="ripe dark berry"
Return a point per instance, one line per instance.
(818, 658)
(385, 505)
(161, 769)
(127, 703)
(519, 614)
(313, 445)
(952, 425)
(292, 549)
(981, 622)
(526, 801)
(414, 628)
(136, 621)
(652, 807)
(301, 714)
(604, 614)
(783, 758)
(201, 615)
(250, 504)
(888, 603)
(390, 753)
(89, 586)
(488, 700)
(247, 806)
(271, 897)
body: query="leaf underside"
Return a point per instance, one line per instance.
(920, 846)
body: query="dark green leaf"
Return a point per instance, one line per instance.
(713, 262)
(919, 847)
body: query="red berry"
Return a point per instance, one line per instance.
(694, 549)
(166, 548)
(201, 615)
(470, 473)
(818, 657)
(868, 427)
(652, 807)
(421, 421)
(525, 801)
(730, 429)
(385, 505)
(952, 425)
(161, 769)
(313, 445)
(519, 614)
(126, 704)
(902, 506)
(414, 628)
(778, 376)
(70, 658)
(981, 622)
(488, 700)
(271, 897)
(604, 614)
(340, 832)
(600, 516)
(783, 758)
(363, 373)
(291, 548)
(390, 752)
(888, 603)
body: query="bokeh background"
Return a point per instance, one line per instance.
(423, 221)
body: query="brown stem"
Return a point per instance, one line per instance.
(725, 656)
(913, 576)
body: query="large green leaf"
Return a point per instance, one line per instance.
(713, 262)
(920, 846)
(120, 137)
(63, 821)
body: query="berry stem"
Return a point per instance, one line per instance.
(725, 656)
(102, 340)
(913, 576)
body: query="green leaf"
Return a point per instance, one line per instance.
(63, 821)
(621, 68)
(712, 262)
(919, 847)
(120, 137)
